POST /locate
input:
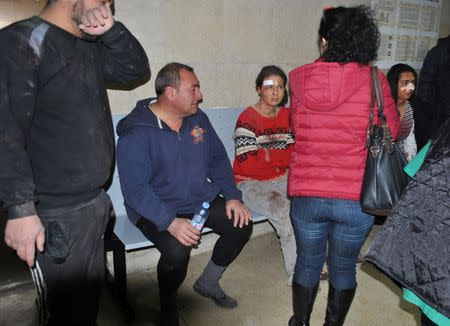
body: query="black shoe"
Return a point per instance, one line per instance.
(168, 318)
(425, 321)
(168, 305)
(222, 300)
(303, 301)
(338, 304)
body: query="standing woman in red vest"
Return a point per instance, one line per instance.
(330, 104)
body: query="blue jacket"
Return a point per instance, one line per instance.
(164, 173)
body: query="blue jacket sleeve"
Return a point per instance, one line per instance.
(135, 173)
(18, 84)
(219, 167)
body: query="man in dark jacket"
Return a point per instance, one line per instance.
(166, 152)
(57, 146)
(434, 82)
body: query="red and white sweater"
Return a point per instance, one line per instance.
(263, 145)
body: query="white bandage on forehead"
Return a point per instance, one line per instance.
(409, 87)
(268, 82)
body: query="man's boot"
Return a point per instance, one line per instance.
(338, 304)
(303, 301)
(168, 315)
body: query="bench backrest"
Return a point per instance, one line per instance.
(223, 121)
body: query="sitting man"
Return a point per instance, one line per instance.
(166, 152)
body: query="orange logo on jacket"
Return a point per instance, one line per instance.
(198, 133)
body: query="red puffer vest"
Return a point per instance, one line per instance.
(330, 105)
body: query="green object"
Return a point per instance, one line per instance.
(430, 312)
(414, 165)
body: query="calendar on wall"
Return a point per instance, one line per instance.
(408, 29)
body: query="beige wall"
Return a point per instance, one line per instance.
(444, 29)
(12, 10)
(226, 41)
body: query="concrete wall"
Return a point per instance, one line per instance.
(444, 28)
(226, 41)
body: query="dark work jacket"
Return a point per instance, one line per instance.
(422, 122)
(413, 246)
(434, 82)
(56, 135)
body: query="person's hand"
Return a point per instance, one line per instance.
(237, 210)
(24, 234)
(98, 20)
(183, 231)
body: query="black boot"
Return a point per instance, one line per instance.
(338, 304)
(425, 321)
(168, 304)
(168, 318)
(302, 300)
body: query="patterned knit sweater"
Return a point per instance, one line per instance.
(263, 145)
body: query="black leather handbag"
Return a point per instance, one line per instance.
(384, 178)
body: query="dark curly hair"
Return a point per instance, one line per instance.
(393, 76)
(272, 71)
(351, 33)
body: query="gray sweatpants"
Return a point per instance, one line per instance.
(269, 198)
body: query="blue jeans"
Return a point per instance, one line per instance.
(336, 224)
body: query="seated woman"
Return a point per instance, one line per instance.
(415, 116)
(263, 141)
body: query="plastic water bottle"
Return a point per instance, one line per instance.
(200, 216)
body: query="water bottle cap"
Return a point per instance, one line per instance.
(205, 205)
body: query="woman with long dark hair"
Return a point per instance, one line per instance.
(330, 105)
(415, 116)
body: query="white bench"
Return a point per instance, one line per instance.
(123, 236)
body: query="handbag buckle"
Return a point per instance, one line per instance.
(374, 150)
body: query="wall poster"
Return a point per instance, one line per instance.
(408, 29)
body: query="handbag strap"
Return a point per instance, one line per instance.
(373, 73)
(376, 95)
(376, 88)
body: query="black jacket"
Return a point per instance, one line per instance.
(56, 135)
(423, 130)
(413, 246)
(434, 81)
